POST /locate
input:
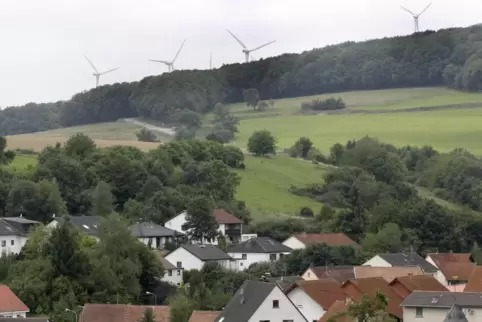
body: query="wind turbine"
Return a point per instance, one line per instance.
(245, 50)
(97, 74)
(170, 64)
(416, 16)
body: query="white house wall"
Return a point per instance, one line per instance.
(18, 243)
(294, 243)
(188, 260)
(177, 222)
(14, 314)
(286, 310)
(251, 258)
(439, 276)
(311, 310)
(438, 314)
(377, 261)
(175, 278)
(309, 275)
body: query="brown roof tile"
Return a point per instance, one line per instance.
(456, 271)
(224, 217)
(451, 257)
(387, 273)
(339, 273)
(323, 291)
(329, 239)
(338, 308)
(9, 301)
(474, 284)
(420, 283)
(204, 316)
(122, 313)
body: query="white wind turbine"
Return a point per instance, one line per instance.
(245, 50)
(97, 74)
(170, 64)
(416, 16)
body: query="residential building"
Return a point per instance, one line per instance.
(314, 298)
(86, 224)
(343, 273)
(401, 260)
(456, 314)
(153, 235)
(196, 255)
(203, 316)
(284, 282)
(301, 241)
(435, 306)
(33, 319)
(454, 269)
(172, 274)
(230, 226)
(10, 305)
(122, 312)
(257, 250)
(14, 234)
(474, 284)
(405, 285)
(260, 302)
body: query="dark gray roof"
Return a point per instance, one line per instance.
(408, 259)
(167, 264)
(455, 315)
(259, 245)
(20, 220)
(284, 282)
(86, 224)
(17, 226)
(206, 252)
(246, 301)
(148, 229)
(33, 319)
(6, 229)
(443, 299)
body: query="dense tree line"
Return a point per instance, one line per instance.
(450, 57)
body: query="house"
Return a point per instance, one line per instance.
(314, 298)
(33, 319)
(257, 250)
(401, 260)
(456, 314)
(474, 284)
(86, 224)
(435, 306)
(301, 241)
(195, 256)
(343, 273)
(284, 282)
(172, 274)
(122, 313)
(10, 305)
(203, 316)
(260, 302)
(14, 234)
(405, 285)
(229, 226)
(154, 235)
(454, 269)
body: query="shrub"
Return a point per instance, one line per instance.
(306, 212)
(263, 106)
(145, 135)
(328, 104)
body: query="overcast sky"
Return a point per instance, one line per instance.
(43, 42)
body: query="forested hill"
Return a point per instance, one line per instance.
(451, 57)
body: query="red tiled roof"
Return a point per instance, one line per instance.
(455, 271)
(451, 257)
(474, 284)
(122, 313)
(204, 316)
(324, 291)
(420, 283)
(9, 302)
(338, 308)
(339, 273)
(224, 217)
(329, 239)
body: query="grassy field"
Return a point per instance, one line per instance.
(22, 163)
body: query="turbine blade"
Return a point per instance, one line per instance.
(91, 64)
(259, 47)
(425, 9)
(160, 61)
(110, 70)
(237, 39)
(177, 54)
(408, 11)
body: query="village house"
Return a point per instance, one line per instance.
(14, 234)
(257, 250)
(172, 274)
(301, 241)
(88, 225)
(401, 260)
(196, 255)
(454, 269)
(153, 235)
(10, 305)
(405, 285)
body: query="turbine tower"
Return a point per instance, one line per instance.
(170, 64)
(416, 16)
(97, 74)
(245, 50)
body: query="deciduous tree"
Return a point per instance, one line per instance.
(262, 143)
(200, 222)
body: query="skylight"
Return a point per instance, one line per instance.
(86, 227)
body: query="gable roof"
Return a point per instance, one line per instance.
(408, 259)
(420, 283)
(370, 286)
(206, 252)
(224, 217)
(284, 282)
(474, 284)
(149, 229)
(6, 229)
(455, 315)
(167, 264)
(339, 273)
(387, 273)
(9, 302)
(338, 308)
(337, 239)
(324, 291)
(443, 299)
(122, 313)
(86, 224)
(451, 257)
(259, 245)
(204, 316)
(246, 301)
(456, 271)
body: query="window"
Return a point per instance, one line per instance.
(275, 304)
(292, 321)
(419, 312)
(178, 272)
(179, 264)
(241, 264)
(4, 243)
(169, 273)
(281, 255)
(244, 256)
(263, 320)
(12, 242)
(272, 257)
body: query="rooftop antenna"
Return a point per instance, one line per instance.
(245, 49)
(211, 61)
(170, 64)
(97, 74)
(416, 16)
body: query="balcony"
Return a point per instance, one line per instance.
(233, 232)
